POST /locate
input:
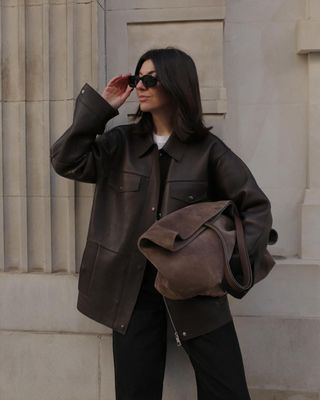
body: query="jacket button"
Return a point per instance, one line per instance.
(184, 333)
(82, 91)
(159, 215)
(190, 197)
(122, 326)
(153, 209)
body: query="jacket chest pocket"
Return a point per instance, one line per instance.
(124, 182)
(189, 192)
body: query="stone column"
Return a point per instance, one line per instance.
(49, 49)
(308, 37)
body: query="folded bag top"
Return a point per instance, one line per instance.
(185, 221)
(191, 249)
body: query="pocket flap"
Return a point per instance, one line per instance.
(189, 192)
(124, 182)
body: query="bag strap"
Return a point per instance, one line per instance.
(229, 277)
(244, 260)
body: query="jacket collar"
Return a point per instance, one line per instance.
(174, 147)
(143, 144)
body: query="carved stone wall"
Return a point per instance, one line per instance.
(263, 100)
(48, 50)
(308, 43)
(195, 26)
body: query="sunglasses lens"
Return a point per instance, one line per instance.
(149, 81)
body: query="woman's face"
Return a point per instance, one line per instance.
(153, 99)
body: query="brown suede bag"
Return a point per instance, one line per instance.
(191, 249)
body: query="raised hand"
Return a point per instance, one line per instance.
(117, 91)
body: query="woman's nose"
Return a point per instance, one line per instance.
(140, 85)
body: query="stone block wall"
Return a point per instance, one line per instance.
(48, 50)
(261, 92)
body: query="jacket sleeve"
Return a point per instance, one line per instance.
(232, 180)
(81, 151)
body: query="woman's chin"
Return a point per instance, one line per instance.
(144, 107)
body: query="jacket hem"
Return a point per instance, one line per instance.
(89, 310)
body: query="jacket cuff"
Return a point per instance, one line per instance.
(96, 103)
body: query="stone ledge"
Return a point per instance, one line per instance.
(267, 394)
(43, 302)
(290, 291)
(308, 37)
(280, 354)
(47, 302)
(58, 364)
(50, 367)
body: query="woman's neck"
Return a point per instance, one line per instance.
(162, 123)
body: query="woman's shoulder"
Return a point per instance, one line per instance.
(221, 152)
(114, 137)
(213, 142)
(119, 132)
(125, 135)
(133, 128)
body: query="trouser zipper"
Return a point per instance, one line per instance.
(178, 341)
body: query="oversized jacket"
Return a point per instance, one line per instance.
(124, 166)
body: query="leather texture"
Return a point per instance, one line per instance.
(191, 249)
(189, 256)
(125, 170)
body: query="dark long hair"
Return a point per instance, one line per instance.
(178, 76)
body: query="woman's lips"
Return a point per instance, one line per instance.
(143, 98)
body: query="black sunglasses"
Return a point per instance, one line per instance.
(147, 80)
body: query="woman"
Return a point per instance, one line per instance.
(143, 171)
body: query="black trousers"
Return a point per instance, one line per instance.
(140, 354)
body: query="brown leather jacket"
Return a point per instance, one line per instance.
(125, 168)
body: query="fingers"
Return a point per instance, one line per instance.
(119, 79)
(128, 91)
(117, 90)
(126, 94)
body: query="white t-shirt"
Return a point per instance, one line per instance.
(160, 140)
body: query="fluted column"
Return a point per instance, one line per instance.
(13, 100)
(49, 49)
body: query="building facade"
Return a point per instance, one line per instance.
(259, 69)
